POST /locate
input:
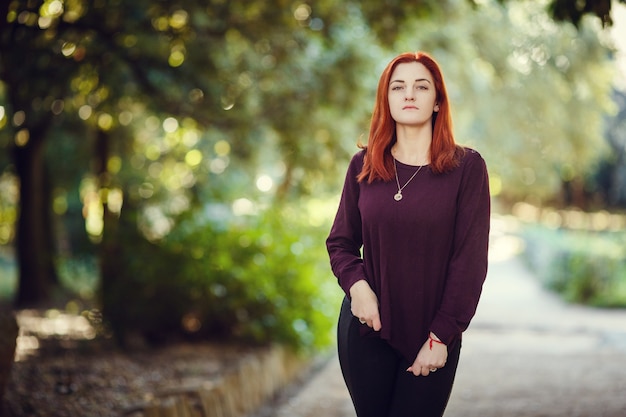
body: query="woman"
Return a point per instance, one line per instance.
(409, 247)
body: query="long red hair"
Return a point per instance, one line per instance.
(445, 154)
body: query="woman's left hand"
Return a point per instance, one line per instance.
(432, 356)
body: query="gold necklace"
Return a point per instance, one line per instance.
(398, 196)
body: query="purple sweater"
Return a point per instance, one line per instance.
(425, 256)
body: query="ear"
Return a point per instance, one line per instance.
(436, 109)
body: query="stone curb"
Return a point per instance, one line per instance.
(253, 381)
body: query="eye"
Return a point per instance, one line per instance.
(397, 88)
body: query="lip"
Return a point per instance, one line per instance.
(409, 108)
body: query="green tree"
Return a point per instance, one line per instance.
(173, 109)
(104, 63)
(574, 10)
(530, 93)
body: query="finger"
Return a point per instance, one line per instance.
(376, 324)
(414, 371)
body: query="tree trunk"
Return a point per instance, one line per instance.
(8, 343)
(111, 257)
(109, 247)
(34, 229)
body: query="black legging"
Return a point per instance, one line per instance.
(377, 380)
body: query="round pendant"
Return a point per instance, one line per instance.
(397, 196)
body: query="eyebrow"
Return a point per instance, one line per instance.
(418, 80)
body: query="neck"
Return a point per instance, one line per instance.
(413, 145)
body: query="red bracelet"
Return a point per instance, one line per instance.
(431, 340)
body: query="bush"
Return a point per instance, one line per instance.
(584, 267)
(255, 279)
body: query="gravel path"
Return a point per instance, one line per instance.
(526, 354)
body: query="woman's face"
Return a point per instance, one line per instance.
(412, 95)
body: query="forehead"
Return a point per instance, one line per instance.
(410, 71)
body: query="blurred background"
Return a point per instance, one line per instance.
(169, 170)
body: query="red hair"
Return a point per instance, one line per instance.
(445, 154)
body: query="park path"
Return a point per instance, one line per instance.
(526, 354)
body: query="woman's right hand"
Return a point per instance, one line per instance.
(364, 304)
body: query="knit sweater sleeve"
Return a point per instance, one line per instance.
(468, 262)
(345, 239)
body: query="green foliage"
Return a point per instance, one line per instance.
(530, 93)
(258, 279)
(149, 84)
(8, 274)
(609, 179)
(186, 105)
(583, 267)
(574, 10)
(79, 276)
(8, 206)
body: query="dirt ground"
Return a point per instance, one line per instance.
(109, 383)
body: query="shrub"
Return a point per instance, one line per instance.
(584, 267)
(256, 279)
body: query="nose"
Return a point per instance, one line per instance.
(409, 95)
